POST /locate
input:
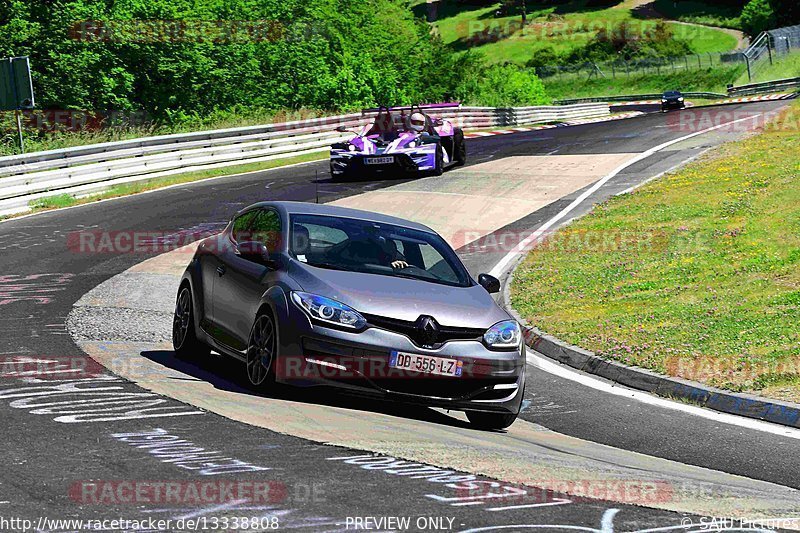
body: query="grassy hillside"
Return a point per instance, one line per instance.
(555, 28)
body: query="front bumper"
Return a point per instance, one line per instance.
(310, 354)
(673, 104)
(402, 163)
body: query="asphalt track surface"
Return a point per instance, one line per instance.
(45, 460)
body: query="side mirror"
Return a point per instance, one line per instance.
(341, 129)
(489, 282)
(255, 252)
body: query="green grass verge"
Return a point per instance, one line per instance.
(563, 27)
(696, 12)
(706, 80)
(694, 275)
(66, 200)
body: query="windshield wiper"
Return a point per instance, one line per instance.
(330, 266)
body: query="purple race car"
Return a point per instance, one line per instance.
(401, 140)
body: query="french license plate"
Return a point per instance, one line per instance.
(426, 364)
(379, 160)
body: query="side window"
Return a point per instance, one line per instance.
(241, 226)
(267, 229)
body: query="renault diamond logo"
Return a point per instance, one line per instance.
(427, 330)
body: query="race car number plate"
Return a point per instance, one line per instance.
(379, 160)
(426, 364)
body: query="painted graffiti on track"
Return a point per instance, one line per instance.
(37, 288)
(99, 397)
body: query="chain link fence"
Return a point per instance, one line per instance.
(768, 47)
(639, 67)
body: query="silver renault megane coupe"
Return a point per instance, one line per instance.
(308, 294)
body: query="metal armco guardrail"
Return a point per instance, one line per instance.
(634, 98)
(764, 88)
(90, 169)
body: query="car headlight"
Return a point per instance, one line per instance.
(352, 148)
(329, 311)
(680, 99)
(505, 334)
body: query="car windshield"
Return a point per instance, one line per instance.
(355, 245)
(672, 93)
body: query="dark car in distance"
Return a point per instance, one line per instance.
(672, 100)
(309, 294)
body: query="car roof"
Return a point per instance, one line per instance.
(307, 208)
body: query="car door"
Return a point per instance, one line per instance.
(238, 289)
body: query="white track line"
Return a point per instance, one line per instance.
(500, 268)
(551, 367)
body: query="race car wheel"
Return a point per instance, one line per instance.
(438, 169)
(460, 151)
(261, 350)
(184, 338)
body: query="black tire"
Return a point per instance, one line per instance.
(490, 421)
(438, 168)
(262, 348)
(346, 175)
(184, 337)
(460, 155)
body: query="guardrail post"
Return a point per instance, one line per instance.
(749, 73)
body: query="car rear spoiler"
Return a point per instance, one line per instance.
(444, 105)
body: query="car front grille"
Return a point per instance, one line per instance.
(409, 329)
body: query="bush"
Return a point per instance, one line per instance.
(758, 16)
(544, 57)
(503, 86)
(627, 41)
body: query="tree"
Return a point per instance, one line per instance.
(758, 16)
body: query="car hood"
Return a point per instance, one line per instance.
(401, 298)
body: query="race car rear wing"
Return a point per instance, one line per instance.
(421, 107)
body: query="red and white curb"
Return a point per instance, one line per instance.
(507, 131)
(764, 98)
(639, 102)
(643, 102)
